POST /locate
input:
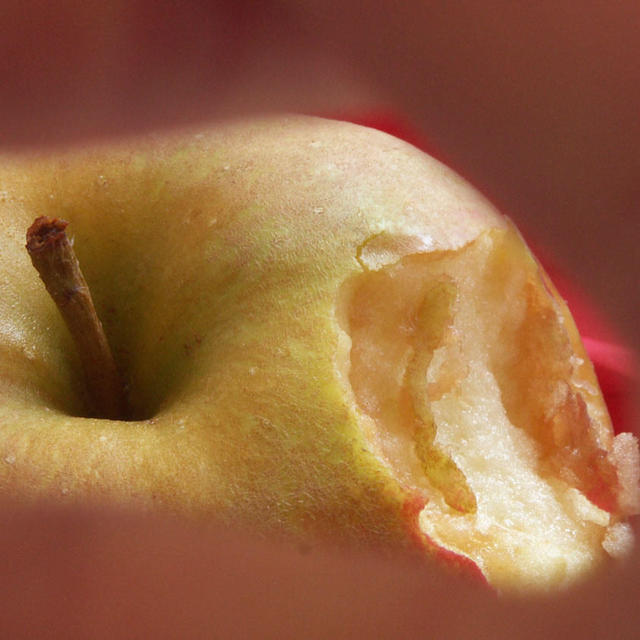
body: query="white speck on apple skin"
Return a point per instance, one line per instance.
(10, 459)
(12, 335)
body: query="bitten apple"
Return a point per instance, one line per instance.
(324, 333)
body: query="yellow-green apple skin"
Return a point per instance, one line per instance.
(308, 315)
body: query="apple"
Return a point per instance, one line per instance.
(324, 333)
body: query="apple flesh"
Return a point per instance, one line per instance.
(325, 333)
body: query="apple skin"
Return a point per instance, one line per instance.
(185, 242)
(218, 262)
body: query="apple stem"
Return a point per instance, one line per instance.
(54, 258)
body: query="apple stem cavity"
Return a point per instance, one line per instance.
(53, 257)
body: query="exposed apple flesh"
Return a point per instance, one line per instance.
(470, 369)
(321, 328)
